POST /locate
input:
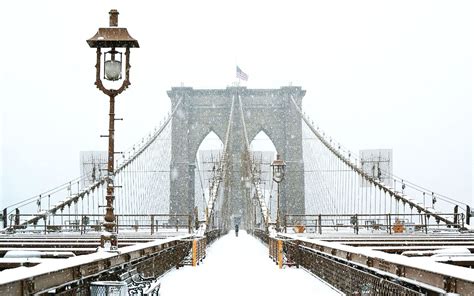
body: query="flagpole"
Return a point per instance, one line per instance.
(238, 76)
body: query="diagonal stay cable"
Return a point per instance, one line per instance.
(70, 199)
(364, 175)
(221, 172)
(255, 179)
(151, 140)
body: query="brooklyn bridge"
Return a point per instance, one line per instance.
(136, 219)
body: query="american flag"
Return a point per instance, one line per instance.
(241, 75)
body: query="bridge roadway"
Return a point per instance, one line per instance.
(240, 266)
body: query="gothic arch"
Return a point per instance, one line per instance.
(252, 137)
(201, 137)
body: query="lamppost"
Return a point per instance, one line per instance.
(278, 168)
(111, 42)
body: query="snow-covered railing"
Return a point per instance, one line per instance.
(63, 274)
(422, 274)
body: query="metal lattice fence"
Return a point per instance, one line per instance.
(109, 288)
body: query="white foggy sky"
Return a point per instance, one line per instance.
(378, 74)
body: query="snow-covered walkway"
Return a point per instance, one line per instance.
(240, 266)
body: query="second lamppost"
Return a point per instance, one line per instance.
(111, 43)
(278, 168)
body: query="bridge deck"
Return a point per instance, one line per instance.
(240, 266)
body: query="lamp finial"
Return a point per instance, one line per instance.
(113, 20)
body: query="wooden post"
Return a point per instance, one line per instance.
(194, 252)
(280, 254)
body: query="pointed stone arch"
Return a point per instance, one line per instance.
(201, 138)
(205, 157)
(265, 132)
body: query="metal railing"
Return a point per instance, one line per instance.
(83, 223)
(349, 279)
(152, 260)
(261, 234)
(390, 223)
(358, 274)
(212, 235)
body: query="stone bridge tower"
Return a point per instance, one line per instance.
(206, 110)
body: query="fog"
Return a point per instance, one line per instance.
(378, 74)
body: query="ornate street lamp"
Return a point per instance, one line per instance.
(278, 168)
(111, 42)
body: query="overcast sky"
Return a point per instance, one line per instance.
(378, 74)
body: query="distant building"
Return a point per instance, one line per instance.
(93, 166)
(378, 164)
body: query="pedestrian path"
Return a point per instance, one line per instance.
(241, 266)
